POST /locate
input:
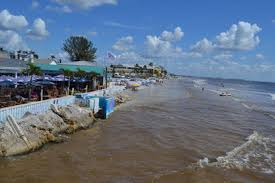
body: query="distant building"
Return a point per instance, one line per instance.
(11, 66)
(28, 56)
(136, 70)
(4, 53)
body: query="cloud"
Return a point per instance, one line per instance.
(11, 40)
(273, 21)
(163, 45)
(85, 4)
(260, 56)
(226, 69)
(242, 36)
(35, 4)
(92, 33)
(124, 44)
(172, 36)
(124, 26)
(129, 57)
(38, 30)
(64, 56)
(223, 56)
(203, 46)
(59, 9)
(12, 22)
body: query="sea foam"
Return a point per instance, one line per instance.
(256, 154)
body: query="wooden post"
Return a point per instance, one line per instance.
(41, 93)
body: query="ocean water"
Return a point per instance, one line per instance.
(170, 133)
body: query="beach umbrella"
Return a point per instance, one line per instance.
(6, 83)
(43, 83)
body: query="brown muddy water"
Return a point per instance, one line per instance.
(160, 136)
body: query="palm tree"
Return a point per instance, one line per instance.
(137, 69)
(93, 75)
(151, 64)
(80, 74)
(31, 70)
(69, 74)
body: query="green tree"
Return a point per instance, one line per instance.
(137, 69)
(151, 64)
(31, 70)
(80, 48)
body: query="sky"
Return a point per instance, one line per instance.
(211, 38)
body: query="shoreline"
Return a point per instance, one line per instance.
(33, 131)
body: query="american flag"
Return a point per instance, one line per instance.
(111, 56)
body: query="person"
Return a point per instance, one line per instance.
(34, 95)
(202, 89)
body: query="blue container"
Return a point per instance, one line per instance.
(108, 105)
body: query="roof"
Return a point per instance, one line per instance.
(73, 68)
(80, 63)
(11, 65)
(132, 66)
(44, 61)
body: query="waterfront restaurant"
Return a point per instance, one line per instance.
(14, 84)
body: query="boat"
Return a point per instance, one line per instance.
(225, 94)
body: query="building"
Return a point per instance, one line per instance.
(136, 70)
(11, 66)
(27, 56)
(4, 53)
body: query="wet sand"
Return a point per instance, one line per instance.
(157, 137)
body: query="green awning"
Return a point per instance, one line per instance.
(73, 68)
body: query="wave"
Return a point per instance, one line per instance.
(272, 96)
(256, 154)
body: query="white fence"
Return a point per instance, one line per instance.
(42, 106)
(18, 111)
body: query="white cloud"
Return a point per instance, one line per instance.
(172, 36)
(226, 69)
(123, 26)
(223, 56)
(203, 46)
(242, 36)
(59, 9)
(85, 4)
(12, 22)
(39, 30)
(260, 56)
(11, 40)
(92, 33)
(124, 44)
(35, 4)
(163, 46)
(129, 57)
(273, 21)
(64, 56)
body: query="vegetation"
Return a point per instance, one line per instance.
(31, 70)
(69, 74)
(80, 48)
